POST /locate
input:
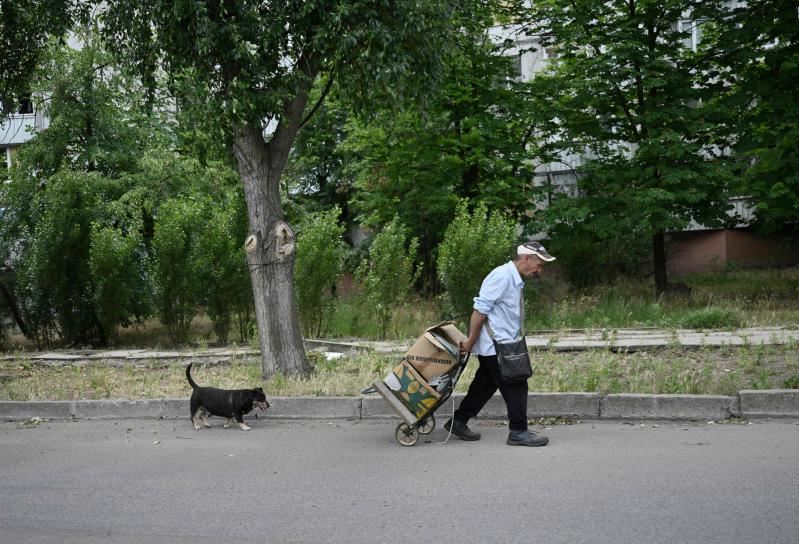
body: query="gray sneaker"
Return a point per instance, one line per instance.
(526, 438)
(461, 430)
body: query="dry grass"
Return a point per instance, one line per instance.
(705, 371)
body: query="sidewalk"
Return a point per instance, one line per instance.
(745, 404)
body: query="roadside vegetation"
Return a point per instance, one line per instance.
(416, 170)
(722, 300)
(705, 371)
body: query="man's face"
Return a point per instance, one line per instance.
(531, 266)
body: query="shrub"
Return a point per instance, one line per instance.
(174, 267)
(320, 258)
(222, 268)
(588, 259)
(791, 382)
(389, 273)
(114, 261)
(711, 318)
(474, 243)
(53, 277)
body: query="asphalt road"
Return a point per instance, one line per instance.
(127, 481)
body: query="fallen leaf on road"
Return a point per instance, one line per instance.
(31, 423)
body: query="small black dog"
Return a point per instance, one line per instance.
(229, 403)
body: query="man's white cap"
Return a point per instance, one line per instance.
(534, 248)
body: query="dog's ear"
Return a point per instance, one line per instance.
(259, 390)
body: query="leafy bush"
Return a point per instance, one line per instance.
(222, 267)
(116, 268)
(54, 281)
(474, 243)
(711, 318)
(320, 258)
(389, 273)
(588, 259)
(174, 267)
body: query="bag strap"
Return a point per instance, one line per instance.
(521, 330)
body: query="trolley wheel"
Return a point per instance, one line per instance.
(407, 435)
(427, 425)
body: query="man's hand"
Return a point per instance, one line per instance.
(467, 345)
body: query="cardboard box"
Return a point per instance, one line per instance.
(413, 390)
(436, 351)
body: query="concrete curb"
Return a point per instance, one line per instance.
(771, 403)
(745, 404)
(707, 407)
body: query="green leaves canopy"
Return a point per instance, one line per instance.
(631, 96)
(246, 58)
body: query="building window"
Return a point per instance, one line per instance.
(25, 106)
(691, 33)
(517, 67)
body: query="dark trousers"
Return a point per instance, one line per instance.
(485, 384)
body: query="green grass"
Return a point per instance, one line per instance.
(706, 371)
(719, 300)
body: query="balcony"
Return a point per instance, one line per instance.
(17, 129)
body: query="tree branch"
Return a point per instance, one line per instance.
(322, 97)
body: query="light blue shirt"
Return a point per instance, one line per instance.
(500, 300)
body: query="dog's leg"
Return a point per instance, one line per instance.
(204, 417)
(227, 422)
(240, 420)
(194, 418)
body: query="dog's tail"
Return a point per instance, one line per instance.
(188, 377)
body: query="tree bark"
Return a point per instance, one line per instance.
(659, 257)
(270, 243)
(270, 256)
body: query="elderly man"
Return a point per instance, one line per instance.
(500, 303)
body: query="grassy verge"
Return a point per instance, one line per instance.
(721, 300)
(721, 371)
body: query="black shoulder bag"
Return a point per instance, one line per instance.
(512, 357)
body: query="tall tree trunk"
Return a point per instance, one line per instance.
(270, 242)
(659, 256)
(270, 256)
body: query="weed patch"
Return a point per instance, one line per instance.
(706, 371)
(711, 318)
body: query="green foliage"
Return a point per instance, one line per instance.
(94, 124)
(240, 58)
(251, 65)
(711, 318)
(474, 243)
(587, 259)
(320, 258)
(761, 67)
(389, 273)
(221, 266)
(791, 382)
(626, 93)
(316, 178)
(54, 280)
(116, 266)
(64, 181)
(472, 140)
(25, 28)
(174, 269)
